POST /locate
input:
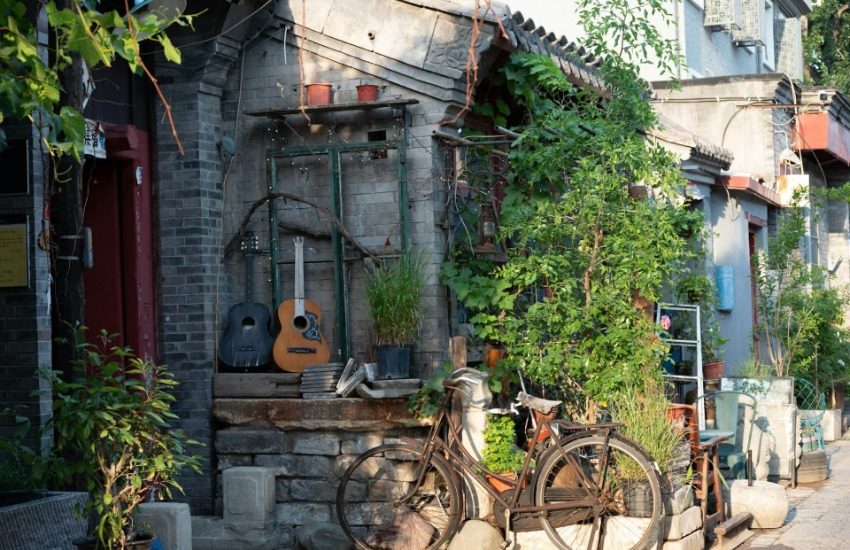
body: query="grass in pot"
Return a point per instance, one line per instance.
(645, 420)
(394, 293)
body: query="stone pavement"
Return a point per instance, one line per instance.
(819, 513)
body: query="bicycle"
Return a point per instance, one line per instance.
(585, 485)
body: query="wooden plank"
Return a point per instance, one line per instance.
(261, 384)
(458, 348)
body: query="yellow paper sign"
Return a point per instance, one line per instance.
(13, 255)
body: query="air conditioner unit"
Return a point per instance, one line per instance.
(723, 15)
(750, 32)
(788, 36)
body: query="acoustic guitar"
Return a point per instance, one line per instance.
(247, 344)
(300, 342)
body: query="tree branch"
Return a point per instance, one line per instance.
(233, 244)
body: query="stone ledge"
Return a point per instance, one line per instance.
(316, 414)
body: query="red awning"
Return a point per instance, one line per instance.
(821, 132)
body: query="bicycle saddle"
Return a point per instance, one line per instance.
(544, 406)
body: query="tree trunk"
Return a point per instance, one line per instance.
(67, 219)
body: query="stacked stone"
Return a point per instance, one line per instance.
(304, 468)
(681, 524)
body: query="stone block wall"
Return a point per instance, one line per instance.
(307, 466)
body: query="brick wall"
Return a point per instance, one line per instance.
(25, 333)
(189, 201)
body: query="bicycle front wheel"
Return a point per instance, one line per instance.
(389, 498)
(599, 493)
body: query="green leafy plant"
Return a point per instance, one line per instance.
(826, 44)
(30, 85)
(427, 400)
(500, 454)
(394, 292)
(112, 433)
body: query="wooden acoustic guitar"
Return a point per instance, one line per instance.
(300, 342)
(247, 344)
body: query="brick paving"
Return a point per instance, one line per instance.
(819, 513)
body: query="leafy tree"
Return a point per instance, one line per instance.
(827, 44)
(583, 249)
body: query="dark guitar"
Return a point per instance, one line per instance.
(300, 342)
(247, 344)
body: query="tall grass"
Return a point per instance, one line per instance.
(644, 420)
(394, 292)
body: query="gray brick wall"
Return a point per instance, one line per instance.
(189, 203)
(370, 189)
(25, 333)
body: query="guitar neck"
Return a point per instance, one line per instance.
(299, 270)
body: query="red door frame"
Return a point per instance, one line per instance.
(130, 146)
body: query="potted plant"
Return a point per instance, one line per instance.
(500, 455)
(112, 435)
(646, 419)
(394, 293)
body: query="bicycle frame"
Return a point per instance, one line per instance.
(459, 458)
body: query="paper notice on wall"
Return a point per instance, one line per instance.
(95, 140)
(13, 255)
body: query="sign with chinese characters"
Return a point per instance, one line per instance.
(95, 140)
(13, 255)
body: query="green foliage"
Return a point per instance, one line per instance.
(30, 86)
(394, 292)
(21, 467)
(500, 454)
(112, 432)
(630, 32)
(580, 249)
(427, 401)
(787, 317)
(643, 415)
(827, 44)
(801, 315)
(696, 288)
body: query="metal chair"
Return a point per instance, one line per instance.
(810, 399)
(733, 414)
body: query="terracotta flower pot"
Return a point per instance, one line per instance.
(712, 371)
(367, 92)
(500, 485)
(319, 94)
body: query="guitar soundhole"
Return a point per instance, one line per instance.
(248, 322)
(300, 322)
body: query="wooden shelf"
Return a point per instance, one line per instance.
(281, 112)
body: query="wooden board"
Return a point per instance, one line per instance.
(261, 384)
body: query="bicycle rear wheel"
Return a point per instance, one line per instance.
(389, 499)
(607, 496)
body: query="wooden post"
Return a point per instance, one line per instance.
(458, 352)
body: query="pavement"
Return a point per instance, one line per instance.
(819, 513)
